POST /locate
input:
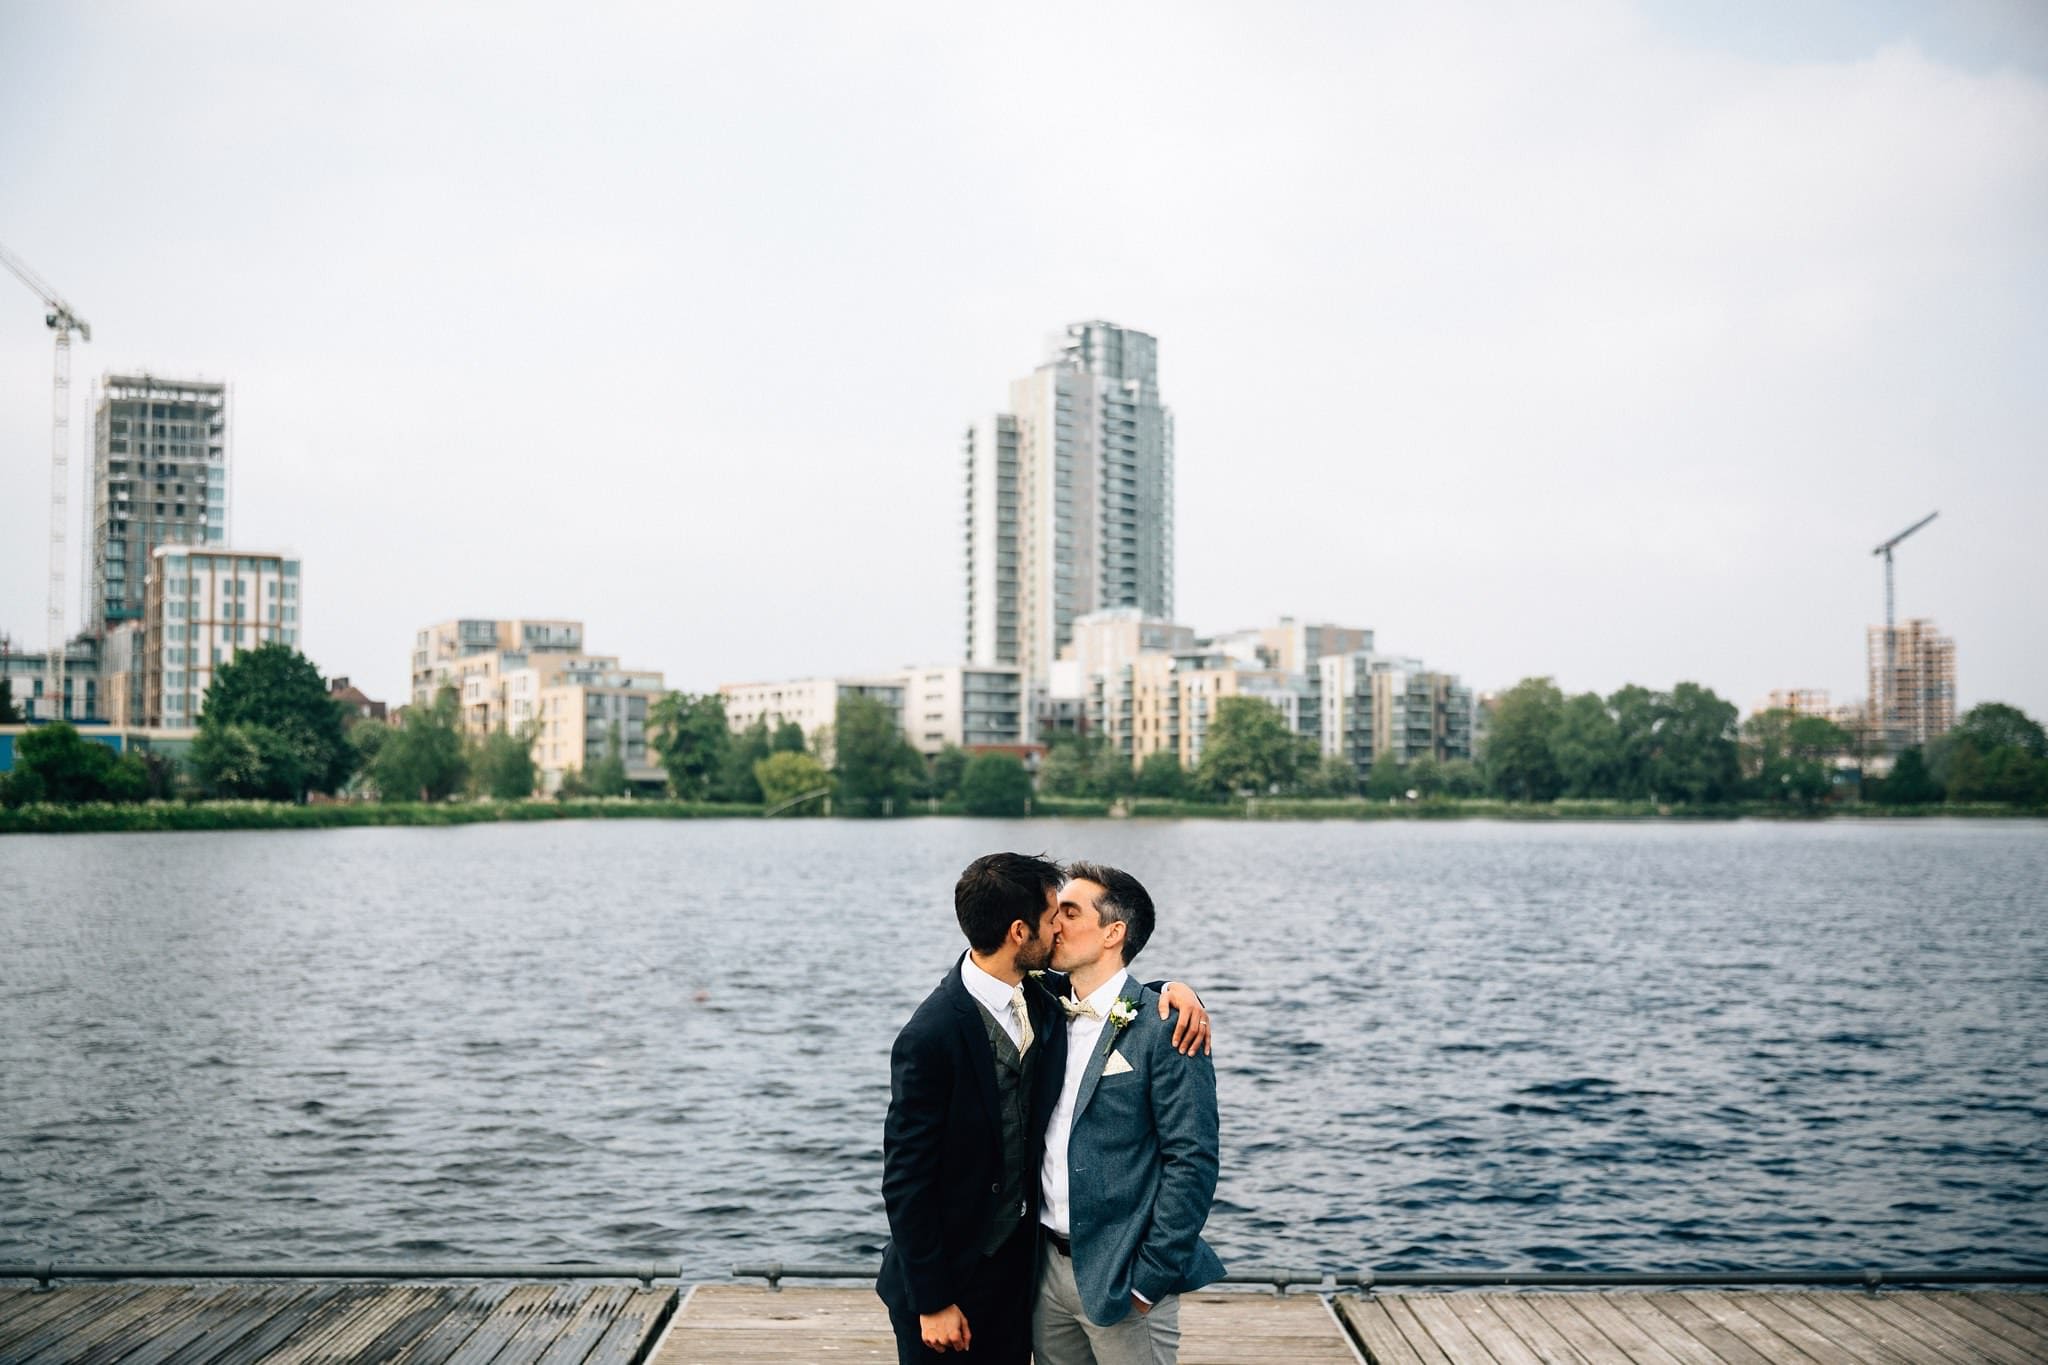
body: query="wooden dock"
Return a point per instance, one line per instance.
(308, 1322)
(303, 1322)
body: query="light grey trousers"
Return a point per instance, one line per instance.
(1062, 1335)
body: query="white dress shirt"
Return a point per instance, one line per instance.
(994, 996)
(1084, 1038)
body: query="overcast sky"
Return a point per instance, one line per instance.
(1597, 340)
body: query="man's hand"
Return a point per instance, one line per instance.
(1139, 1304)
(945, 1330)
(1191, 1030)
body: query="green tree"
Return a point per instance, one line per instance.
(789, 738)
(692, 742)
(1637, 712)
(1586, 746)
(1248, 748)
(783, 777)
(1463, 778)
(2005, 774)
(502, 767)
(422, 758)
(1426, 776)
(948, 768)
(1519, 758)
(1069, 765)
(10, 714)
(277, 698)
(607, 776)
(995, 784)
(1993, 725)
(874, 766)
(1697, 757)
(1162, 776)
(1790, 757)
(1909, 783)
(736, 780)
(1384, 780)
(55, 763)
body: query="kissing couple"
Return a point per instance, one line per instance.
(1050, 1151)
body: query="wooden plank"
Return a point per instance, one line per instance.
(1844, 1317)
(468, 1312)
(1620, 1329)
(290, 1320)
(252, 1315)
(13, 1296)
(1578, 1331)
(340, 1332)
(57, 1327)
(1696, 1325)
(1223, 1327)
(1410, 1326)
(1734, 1318)
(408, 1327)
(2028, 1310)
(634, 1327)
(543, 1325)
(61, 1303)
(1935, 1343)
(193, 1332)
(1546, 1341)
(503, 1323)
(1455, 1336)
(170, 1322)
(102, 1328)
(593, 1318)
(1766, 1310)
(1368, 1321)
(1982, 1329)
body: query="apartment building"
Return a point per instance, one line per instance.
(160, 467)
(581, 709)
(1069, 499)
(1912, 684)
(1368, 704)
(438, 649)
(201, 608)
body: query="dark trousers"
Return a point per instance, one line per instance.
(997, 1302)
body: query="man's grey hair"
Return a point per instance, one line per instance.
(1124, 901)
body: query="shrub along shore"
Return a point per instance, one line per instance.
(176, 816)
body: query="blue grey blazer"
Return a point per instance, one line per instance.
(1141, 1168)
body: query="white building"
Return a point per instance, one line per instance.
(967, 705)
(1069, 506)
(201, 608)
(1371, 704)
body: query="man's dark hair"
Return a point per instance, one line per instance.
(1123, 900)
(997, 890)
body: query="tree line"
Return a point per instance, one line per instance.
(269, 730)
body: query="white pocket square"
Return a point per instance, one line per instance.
(1116, 1065)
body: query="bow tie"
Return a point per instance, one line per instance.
(1077, 1008)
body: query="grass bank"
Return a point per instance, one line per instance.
(104, 818)
(171, 816)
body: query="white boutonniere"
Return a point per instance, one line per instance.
(1121, 1015)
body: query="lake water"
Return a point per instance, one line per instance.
(1631, 1046)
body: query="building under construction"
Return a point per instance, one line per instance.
(159, 477)
(1912, 684)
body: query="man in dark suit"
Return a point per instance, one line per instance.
(973, 1079)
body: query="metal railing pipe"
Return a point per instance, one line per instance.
(1282, 1279)
(44, 1271)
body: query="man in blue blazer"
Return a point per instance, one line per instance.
(973, 1076)
(1130, 1155)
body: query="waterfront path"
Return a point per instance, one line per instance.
(303, 1322)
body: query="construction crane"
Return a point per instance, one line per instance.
(61, 318)
(1886, 550)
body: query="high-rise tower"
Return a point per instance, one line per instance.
(1069, 498)
(159, 477)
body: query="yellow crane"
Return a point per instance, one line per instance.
(61, 318)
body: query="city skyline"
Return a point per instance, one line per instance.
(1530, 388)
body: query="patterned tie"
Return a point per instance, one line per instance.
(1078, 1008)
(1023, 1018)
